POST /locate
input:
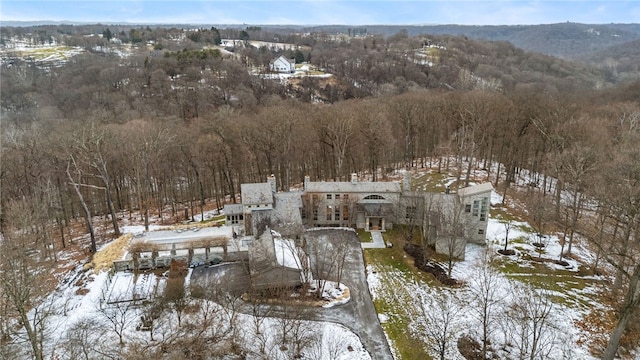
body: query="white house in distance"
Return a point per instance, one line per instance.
(282, 65)
(448, 219)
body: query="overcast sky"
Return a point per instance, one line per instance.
(323, 12)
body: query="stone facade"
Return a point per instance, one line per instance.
(448, 220)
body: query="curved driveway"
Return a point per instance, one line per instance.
(358, 315)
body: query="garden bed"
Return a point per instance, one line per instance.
(429, 266)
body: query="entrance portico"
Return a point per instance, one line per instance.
(375, 223)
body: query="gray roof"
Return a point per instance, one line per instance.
(349, 187)
(184, 238)
(475, 189)
(287, 213)
(233, 209)
(254, 194)
(290, 61)
(262, 253)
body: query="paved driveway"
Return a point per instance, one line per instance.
(358, 315)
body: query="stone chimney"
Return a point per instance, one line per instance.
(307, 180)
(354, 178)
(271, 180)
(406, 181)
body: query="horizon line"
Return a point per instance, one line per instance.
(70, 22)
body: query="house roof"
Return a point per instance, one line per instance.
(281, 57)
(185, 238)
(475, 189)
(254, 194)
(346, 187)
(287, 212)
(233, 209)
(262, 254)
(267, 252)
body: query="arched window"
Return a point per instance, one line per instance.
(373, 197)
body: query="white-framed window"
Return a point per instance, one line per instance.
(484, 208)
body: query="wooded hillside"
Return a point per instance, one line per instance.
(176, 122)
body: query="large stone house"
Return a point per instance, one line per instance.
(363, 205)
(448, 220)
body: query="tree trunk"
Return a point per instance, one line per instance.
(631, 302)
(112, 210)
(85, 208)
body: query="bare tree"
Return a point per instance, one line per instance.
(83, 340)
(92, 146)
(328, 256)
(508, 224)
(118, 316)
(226, 314)
(438, 320)
(410, 212)
(451, 241)
(259, 313)
(302, 335)
(628, 308)
(76, 183)
(577, 163)
(342, 253)
(530, 324)
(174, 292)
(336, 133)
(22, 280)
(151, 317)
(486, 299)
(294, 332)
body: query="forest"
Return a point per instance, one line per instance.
(166, 119)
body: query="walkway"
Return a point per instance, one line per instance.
(377, 243)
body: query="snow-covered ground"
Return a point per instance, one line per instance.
(425, 305)
(86, 296)
(95, 305)
(69, 309)
(302, 70)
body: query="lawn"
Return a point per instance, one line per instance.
(566, 287)
(365, 236)
(395, 268)
(220, 219)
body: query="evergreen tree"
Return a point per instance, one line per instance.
(107, 34)
(244, 36)
(216, 36)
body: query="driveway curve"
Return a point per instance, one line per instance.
(358, 315)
